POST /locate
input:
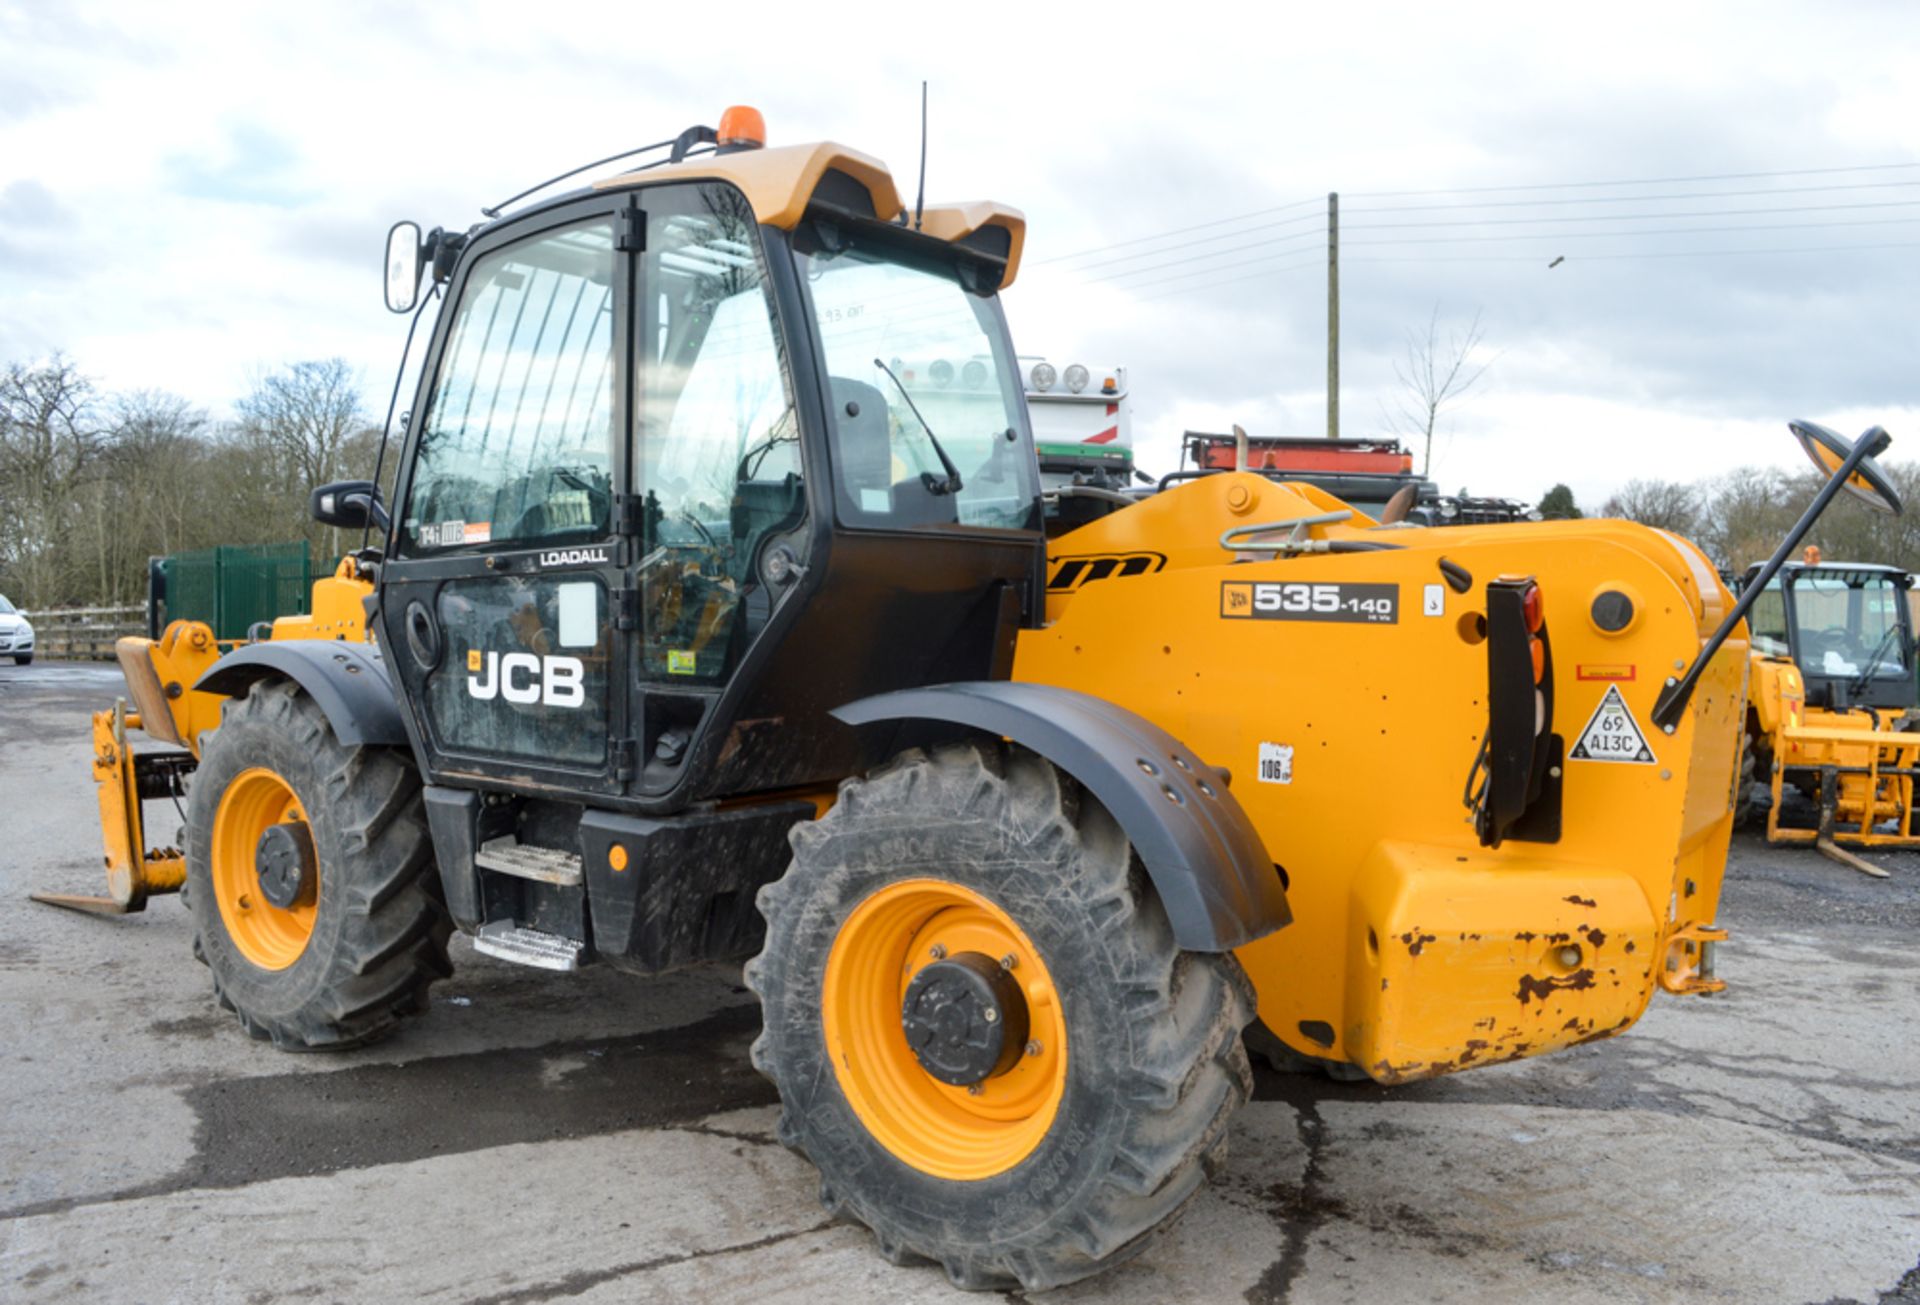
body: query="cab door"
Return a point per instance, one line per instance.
(498, 606)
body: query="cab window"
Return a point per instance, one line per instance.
(916, 367)
(717, 442)
(516, 444)
(1767, 619)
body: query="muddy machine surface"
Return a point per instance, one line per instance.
(711, 623)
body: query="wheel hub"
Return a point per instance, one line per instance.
(283, 862)
(965, 1019)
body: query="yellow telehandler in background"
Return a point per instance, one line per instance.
(715, 617)
(1832, 704)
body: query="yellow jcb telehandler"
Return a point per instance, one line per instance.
(714, 617)
(1832, 705)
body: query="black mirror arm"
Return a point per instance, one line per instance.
(376, 510)
(1678, 692)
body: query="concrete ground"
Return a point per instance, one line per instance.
(595, 1138)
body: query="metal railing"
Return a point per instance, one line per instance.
(84, 633)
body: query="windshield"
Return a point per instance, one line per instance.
(1849, 625)
(6, 608)
(917, 366)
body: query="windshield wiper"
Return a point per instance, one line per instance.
(1872, 666)
(935, 484)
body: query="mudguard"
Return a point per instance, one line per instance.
(1214, 875)
(347, 680)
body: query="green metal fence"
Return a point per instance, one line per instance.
(231, 587)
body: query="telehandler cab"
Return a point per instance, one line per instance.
(715, 619)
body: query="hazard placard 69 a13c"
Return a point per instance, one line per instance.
(1612, 734)
(1305, 601)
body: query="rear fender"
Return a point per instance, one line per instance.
(1207, 862)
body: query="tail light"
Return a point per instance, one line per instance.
(1514, 788)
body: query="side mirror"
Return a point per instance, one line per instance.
(1829, 450)
(349, 504)
(403, 267)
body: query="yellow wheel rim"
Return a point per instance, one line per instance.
(270, 936)
(947, 1131)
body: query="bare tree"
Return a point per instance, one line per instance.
(50, 443)
(1435, 376)
(1662, 504)
(304, 414)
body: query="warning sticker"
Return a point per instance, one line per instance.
(1276, 763)
(1612, 734)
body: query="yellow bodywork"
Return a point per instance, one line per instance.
(1414, 950)
(1878, 759)
(160, 675)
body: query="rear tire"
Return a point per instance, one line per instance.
(23, 659)
(357, 952)
(1743, 799)
(1152, 1066)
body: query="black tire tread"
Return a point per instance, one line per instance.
(1189, 1069)
(393, 943)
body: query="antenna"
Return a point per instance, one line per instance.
(920, 200)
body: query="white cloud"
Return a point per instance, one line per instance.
(226, 174)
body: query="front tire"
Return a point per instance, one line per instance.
(281, 809)
(1114, 1112)
(23, 659)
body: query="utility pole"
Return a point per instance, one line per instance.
(1333, 315)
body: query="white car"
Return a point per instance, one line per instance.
(16, 633)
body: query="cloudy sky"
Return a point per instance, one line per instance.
(192, 194)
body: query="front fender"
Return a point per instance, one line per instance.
(1208, 864)
(347, 680)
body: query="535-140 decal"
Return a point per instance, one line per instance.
(1264, 600)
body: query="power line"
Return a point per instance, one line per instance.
(1652, 253)
(1629, 235)
(1225, 235)
(1637, 217)
(1637, 199)
(1180, 231)
(1199, 258)
(1232, 280)
(1215, 271)
(1640, 181)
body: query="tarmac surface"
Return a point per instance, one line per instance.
(596, 1138)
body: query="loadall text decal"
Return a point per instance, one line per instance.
(1612, 734)
(1070, 573)
(525, 678)
(1261, 600)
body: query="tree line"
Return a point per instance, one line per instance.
(1738, 518)
(93, 483)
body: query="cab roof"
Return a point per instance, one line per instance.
(779, 184)
(1839, 568)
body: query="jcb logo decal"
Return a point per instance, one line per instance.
(525, 678)
(1070, 573)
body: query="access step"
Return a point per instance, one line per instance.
(524, 946)
(509, 856)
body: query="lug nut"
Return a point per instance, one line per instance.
(1033, 1048)
(1008, 961)
(974, 1089)
(938, 952)
(990, 1015)
(1570, 957)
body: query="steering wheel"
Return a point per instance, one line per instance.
(1836, 638)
